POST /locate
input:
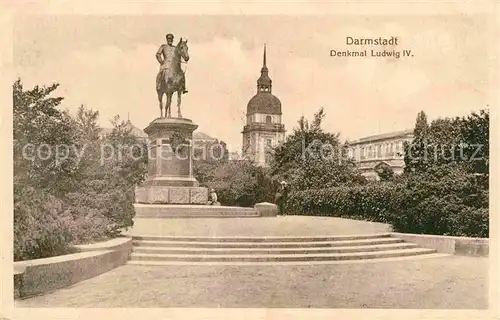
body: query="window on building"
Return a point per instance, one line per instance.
(379, 151)
(400, 146)
(268, 119)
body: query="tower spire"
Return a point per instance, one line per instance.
(264, 63)
(264, 82)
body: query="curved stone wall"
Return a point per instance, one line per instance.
(33, 277)
(477, 247)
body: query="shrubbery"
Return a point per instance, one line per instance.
(41, 228)
(62, 200)
(237, 183)
(443, 191)
(447, 202)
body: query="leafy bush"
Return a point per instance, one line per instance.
(41, 227)
(237, 183)
(471, 222)
(444, 201)
(81, 197)
(369, 201)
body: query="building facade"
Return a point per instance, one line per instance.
(380, 150)
(263, 129)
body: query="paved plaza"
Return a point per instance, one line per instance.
(442, 283)
(258, 227)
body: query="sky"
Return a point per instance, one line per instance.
(107, 63)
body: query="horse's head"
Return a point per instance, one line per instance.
(182, 49)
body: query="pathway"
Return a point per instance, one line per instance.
(444, 283)
(272, 226)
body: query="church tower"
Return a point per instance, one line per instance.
(263, 129)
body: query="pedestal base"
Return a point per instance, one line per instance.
(165, 211)
(171, 195)
(171, 181)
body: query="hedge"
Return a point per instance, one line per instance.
(452, 204)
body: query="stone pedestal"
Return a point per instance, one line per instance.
(266, 209)
(170, 167)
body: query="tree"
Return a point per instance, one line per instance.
(70, 186)
(41, 175)
(415, 153)
(120, 172)
(42, 134)
(450, 140)
(310, 158)
(475, 143)
(443, 141)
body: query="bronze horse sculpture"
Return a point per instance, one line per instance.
(172, 79)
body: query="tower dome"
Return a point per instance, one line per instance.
(264, 101)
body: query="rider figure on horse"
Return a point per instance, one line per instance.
(164, 55)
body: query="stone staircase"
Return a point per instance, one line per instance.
(171, 250)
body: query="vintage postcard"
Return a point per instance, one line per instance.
(234, 160)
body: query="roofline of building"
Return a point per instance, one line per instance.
(270, 113)
(382, 136)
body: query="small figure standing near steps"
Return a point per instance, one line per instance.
(213, 198)
(280, 198)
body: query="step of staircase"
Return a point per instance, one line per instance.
(263, 239)
(271, 251)
(162, 250)
(280, 257)
(242, 245)
(284, 263)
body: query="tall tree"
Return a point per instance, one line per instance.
(462, 140)
(415, 152)
(310, 158)
(43, 138)
(475, 141)
(66, 188)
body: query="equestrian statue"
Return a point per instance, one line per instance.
(171, 77)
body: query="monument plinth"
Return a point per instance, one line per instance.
(170, 167)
